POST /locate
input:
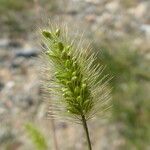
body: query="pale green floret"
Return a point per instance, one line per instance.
(60, 46)
(57, 32)
(47, 34)
(75, 93)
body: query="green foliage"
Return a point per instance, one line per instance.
(19, 17)
(130, 92)
(129, 3)
(51, 5)
(14, 5)
(13, 15)
(76, 79)
(36, 137)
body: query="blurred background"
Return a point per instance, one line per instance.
(119, 30)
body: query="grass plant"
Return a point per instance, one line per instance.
(78, 90)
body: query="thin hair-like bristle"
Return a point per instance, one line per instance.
(77, 88)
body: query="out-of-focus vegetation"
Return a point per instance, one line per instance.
(12, 13)
(129, 3)
(131, 97)
(14, 5)
(36, 137)
(21, 17)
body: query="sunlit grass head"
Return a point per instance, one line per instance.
(75, 81)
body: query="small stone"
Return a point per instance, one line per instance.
(113, 6)
(91, 18)
(4, 43)
(1, 86)
(27, 53)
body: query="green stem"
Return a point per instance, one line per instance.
(87, 132)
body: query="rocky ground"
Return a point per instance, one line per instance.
(20, 90)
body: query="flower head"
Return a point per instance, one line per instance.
(76, 84)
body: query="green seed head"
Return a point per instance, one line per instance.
(57, 32)
(64, 55)
(47, 34)
(60, 46)
(74, 78)
(79, 89)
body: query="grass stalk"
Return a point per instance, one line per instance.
(86, 132)
(54, 134)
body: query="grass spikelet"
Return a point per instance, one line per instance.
(75, 82)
